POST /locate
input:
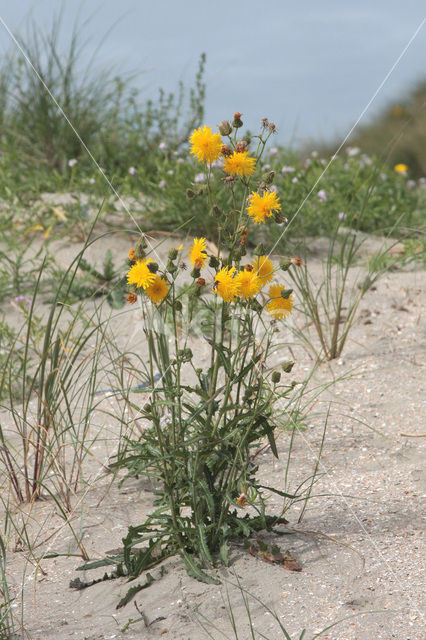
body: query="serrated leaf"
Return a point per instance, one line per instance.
(134, 590)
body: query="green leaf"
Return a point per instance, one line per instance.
(224, 553)
(194, 570)
(134, 590)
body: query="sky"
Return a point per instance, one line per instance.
(311, 66)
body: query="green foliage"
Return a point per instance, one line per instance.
(397, 134)
(38, 131)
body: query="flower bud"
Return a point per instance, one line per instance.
(132, 297)
(241, 146)
(140, 248)
(285, 264)
(213, 262)
(190, 194)
(173, 254)
(185, 355)
(286, 293)
(247, 139)
(201, 282)
(132, 255)
(256, 306)
(216, 210)
(260, 250)
(279, 217)
(225, 128)
(195, 273)
(287, 366)
(226, 151)
(237, 123)
(268, 177)
(276, 377)
(297, 261)
(152, 266)
(178, 305)
(171, 267)
(147, 408)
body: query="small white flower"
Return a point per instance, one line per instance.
(162, 146)
(72, 162)
(180, 160)
(162, 184)
(170, 172)
(92, 180)
(273, 151)
(410, 184)
(314, 154)
(294, 180)
(273, 188)
(287, 169)
(266, 167)
(200, 177)
(322, 196)
(132, 171)
(342, 216)
(353, 151)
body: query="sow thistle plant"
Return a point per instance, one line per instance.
(205, 416)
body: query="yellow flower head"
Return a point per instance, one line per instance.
(401, 168)
(157, 290)
(205, 145)
(198, 254)
(264, 268)
(239, 164)
(140, 275)
(249, 283)
(227, 285)
(278, 306)
(262, 207)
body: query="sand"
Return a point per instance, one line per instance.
(359, 543)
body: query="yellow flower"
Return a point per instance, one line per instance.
(140, 275)
(239, 164)
(249, 283)
(262, 207)
(278, 306)
(197, 254)
(157, 290)
(401, 168)
(227, 285)
(205, 145)
(264, 269)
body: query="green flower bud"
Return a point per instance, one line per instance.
(276, 377)
(190, 194)
(260, 250)
(147, 408)
(237, 122)
(287, 366)
(140, 248)
(153, 267)
(268, 177)
(171, 268)
(173, 254)
(247, 139)
(216, 210)
(285, 264)
(286, 293)
(213, 262)
(256, 306)
(178, 305)
(225, 128)
(279, 217)
(195, 273)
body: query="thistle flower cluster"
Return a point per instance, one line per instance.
(224, 275)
